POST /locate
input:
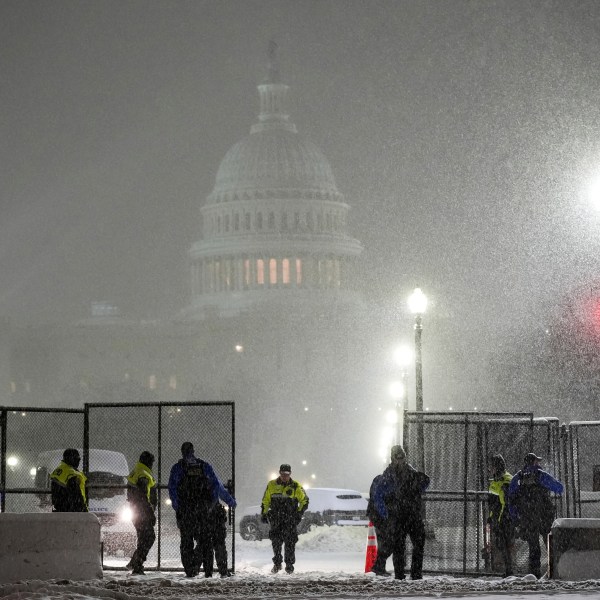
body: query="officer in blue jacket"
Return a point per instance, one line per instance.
(531, 506)
(195, 490)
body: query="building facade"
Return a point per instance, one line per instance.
(273, 324)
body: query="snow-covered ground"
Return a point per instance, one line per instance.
(329, 563)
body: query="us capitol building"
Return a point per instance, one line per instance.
(273, 324)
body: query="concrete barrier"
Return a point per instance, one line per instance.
(574, 549)
(49, 546)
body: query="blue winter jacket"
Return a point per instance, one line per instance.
(541, 478)
(218, 490)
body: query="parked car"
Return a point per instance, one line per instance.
(327, 506)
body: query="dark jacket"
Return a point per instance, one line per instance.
(529, 496)
(398, 494)
(215, 489)
(68, 489)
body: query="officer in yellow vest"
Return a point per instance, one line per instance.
(142, 496)
(283, 505)
(67, 484)
(501, 526)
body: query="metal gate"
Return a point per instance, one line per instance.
(583, 485)
(454, 449)
(111, 438)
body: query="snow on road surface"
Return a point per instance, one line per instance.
(329, 564)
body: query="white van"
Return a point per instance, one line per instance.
(106, 468)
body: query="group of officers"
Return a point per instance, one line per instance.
(197, 496)
(521, 502)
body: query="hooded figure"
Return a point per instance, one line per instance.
(398, 504)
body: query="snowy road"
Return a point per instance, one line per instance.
(330, 564)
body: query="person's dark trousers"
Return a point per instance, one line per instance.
(415, 529)
(503, 534)
(532, 537)
(145, 540)
(417, 539)
(384, 547)
(220, 548)
(195, 544)
(218, 544)
(281, 536)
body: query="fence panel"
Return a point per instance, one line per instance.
(454, 450)
(117, 433)
(31, 440)
(584, 456)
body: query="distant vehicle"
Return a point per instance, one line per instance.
(106, 483)
(327, 506)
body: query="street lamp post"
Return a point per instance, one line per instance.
(403, 356)
(417, 304)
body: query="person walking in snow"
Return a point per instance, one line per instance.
(142, 496)
(531, 506)
(501, 524)
(283, 505)
(397, 499)
(194, 489)
(68, 485)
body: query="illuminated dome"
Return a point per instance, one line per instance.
(273, 160)
(274, 230)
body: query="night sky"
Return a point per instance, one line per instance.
(464, 136)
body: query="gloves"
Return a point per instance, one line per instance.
(264, 518)
(298, 518)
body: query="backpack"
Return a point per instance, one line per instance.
(195, 489)
(532, 499)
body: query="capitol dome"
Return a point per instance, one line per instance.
(274, 229)
(273, 160)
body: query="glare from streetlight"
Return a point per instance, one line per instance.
(404, 355)
(397, 390)
(594, 193)
(417, 302)
(12, 461)
(387, 435)
(391, 417)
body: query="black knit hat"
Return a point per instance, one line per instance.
(147, 458)
(285, 468)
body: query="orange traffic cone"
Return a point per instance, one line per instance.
(371, 548)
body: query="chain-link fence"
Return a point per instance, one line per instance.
(111, 438)
(454, 450)
(583, 485)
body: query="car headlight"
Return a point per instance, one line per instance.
(126, 514)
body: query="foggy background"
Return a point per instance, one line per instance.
(464, 135)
